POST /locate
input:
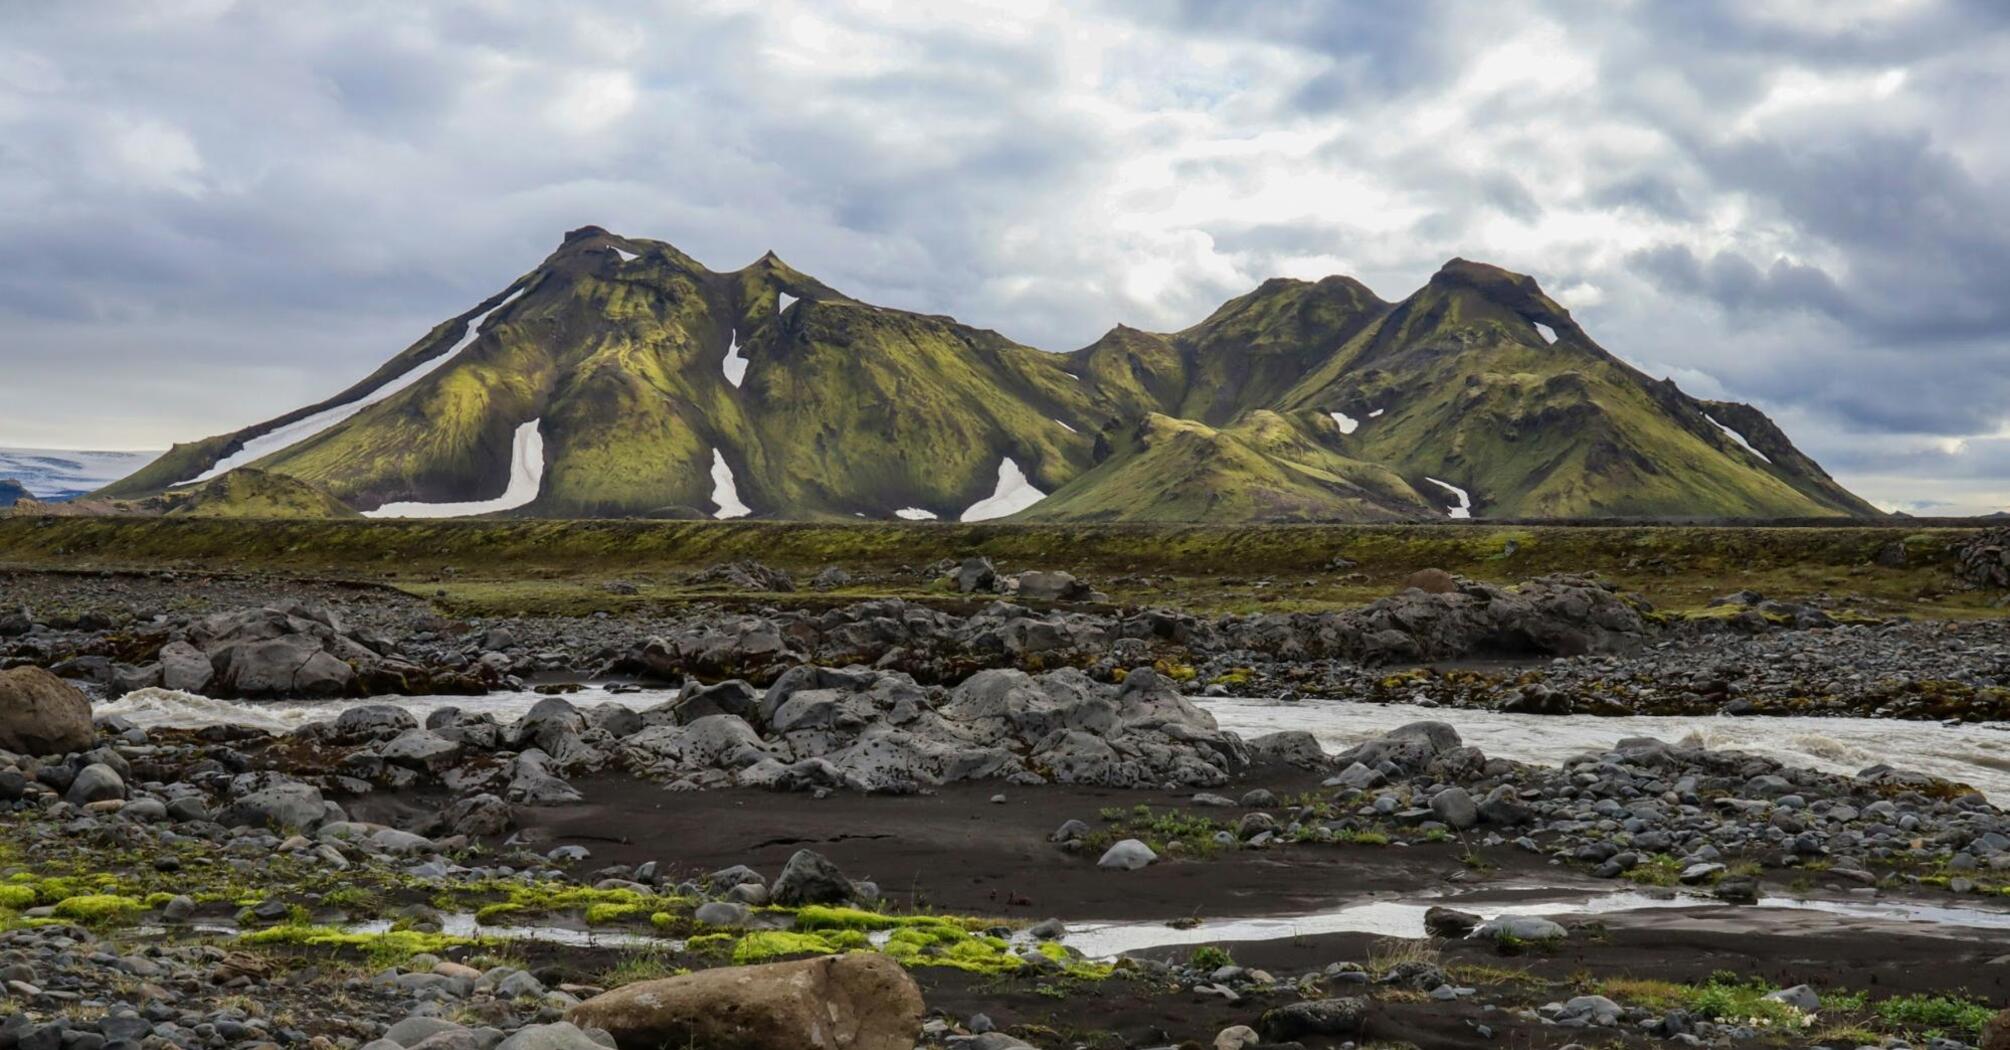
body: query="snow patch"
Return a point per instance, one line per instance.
(526, 479)
(1465, 507)
(914, 514)
(1548, 334)
(1347, 423)
(1066, 427)
(725, 494)
(735, 364)
(783, 301)
(300, 430)
(1376, 413)
(627, 257)
(1014, 494)
(1737, 437)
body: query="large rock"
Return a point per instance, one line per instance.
(284, 804)
(96, 782)
(40, 714)
(861, 1001)
(1334, 1017)
(810, 879)
(1996, 1034)
(185, 667)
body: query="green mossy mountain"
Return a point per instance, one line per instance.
(621, 352)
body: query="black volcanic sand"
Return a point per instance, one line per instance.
(956, 851)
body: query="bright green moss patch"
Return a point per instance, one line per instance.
(16, 896)
(1936, 1014)
(98, 909)
(822, 917)
(383, 949)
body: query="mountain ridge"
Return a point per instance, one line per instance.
(657, 387)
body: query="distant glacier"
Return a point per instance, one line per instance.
(60, 474)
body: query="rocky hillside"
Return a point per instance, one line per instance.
(623, 378)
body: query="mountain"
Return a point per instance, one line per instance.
(623, 378)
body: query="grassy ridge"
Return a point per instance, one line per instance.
(526, 566)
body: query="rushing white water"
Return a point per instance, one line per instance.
(783, 301)
(1347, 423)
(1977, 755)
(526, 479)
(726, 494)
(735, 364)
(293, 433)
(1013, 494)
(1737, 437)
(175, 709)
(1406, 919)
(1465, 507)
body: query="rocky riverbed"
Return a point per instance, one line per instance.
(1010, 820)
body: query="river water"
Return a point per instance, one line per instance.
(1974, 754)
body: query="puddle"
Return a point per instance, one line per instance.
(1406, 919)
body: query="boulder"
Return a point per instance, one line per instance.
(1431, 581)
(861, 1001)
(40, 714)
(185, 667)
(1127, 855)
(96, 782)
(1996, 1034)
(1331, 1017)
(810, 879)
(279, 805)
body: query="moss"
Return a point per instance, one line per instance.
(16, 896)
(383, 949)
(822, 917)
(99, 909)
(768, 945)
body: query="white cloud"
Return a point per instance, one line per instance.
(295, 197)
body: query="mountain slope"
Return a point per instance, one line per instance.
(623, 378)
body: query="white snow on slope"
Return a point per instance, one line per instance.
(1548, 334)
(526, 478)
(1014, 494)
(914, 514)
(1066, 427)
(725, 494)
(626, 257)
(783, 301)
(1465, 507)
(1347, 423)
(1377, 412)
(1737, 437)
(735, 363)
(300, 430)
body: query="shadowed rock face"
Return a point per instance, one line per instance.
(651, 377)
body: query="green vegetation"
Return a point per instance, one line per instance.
(1931, 1015)
(389, 948)
(505, 567)
(848, 408)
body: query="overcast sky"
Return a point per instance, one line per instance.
(213, 212)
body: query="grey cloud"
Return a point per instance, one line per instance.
(365, 170)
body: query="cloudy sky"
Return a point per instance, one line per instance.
(212, 212)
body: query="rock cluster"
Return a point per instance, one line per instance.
(1985, 560)
(880, 731)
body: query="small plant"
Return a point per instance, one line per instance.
(1209, 957)
(1931, 1015)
